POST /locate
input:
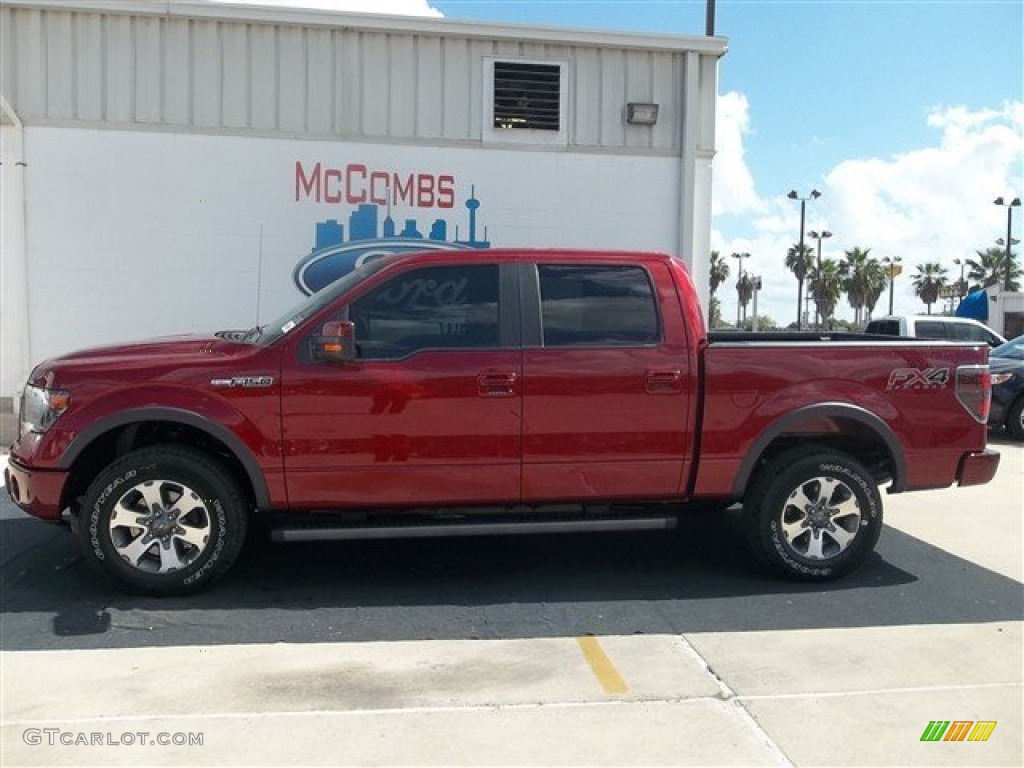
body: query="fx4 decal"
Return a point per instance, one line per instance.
(918, 378)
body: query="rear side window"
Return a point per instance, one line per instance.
(597, 306)
(886, 327)
(929, 329)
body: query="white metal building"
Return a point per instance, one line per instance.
(183, 167)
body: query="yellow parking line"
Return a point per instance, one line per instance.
(605, 672)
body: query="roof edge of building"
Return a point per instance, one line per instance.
(257, 13)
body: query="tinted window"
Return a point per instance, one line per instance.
(887, 327)
(597, 306)
(434, 307)
(929, 329)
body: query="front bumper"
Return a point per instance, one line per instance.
(977, 467)
(35, 491)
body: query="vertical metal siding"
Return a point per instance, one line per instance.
(177, 72)
(148, 101)
(234, 42)
(375, 78)
(59, 72)
(87, 62)
(119, 69)
(265, 77)
(613, 99)
(263, 80)
(348, 83)
(206, 74)
(455, 85)
(429, 86)
(29, 63)
(320, 93)
(291, 79)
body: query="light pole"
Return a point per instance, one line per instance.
(1008, 255)
(793, 195)
(739, 279)
(1015, 203)
(819, 236)
(894, 269)
(961, 287)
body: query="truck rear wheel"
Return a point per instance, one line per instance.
(164, 520)
(813, 515)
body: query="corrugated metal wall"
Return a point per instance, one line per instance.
(273, 79)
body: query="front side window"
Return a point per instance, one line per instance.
(453, 307)
(597, 305)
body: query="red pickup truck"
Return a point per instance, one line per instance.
(500, 391)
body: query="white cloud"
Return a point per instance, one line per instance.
(933, 203)
(397, 7)
(733, 190)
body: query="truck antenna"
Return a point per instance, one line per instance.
(259, 275)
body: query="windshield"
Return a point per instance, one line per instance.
(267, 334)
(1014, 349)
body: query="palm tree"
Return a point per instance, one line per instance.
(929, 281)
(718, 274)
(826, 287)
(877, 279)
(855, 271)
(799, 264)
(990, 269)
(745, 291)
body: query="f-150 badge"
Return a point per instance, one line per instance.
(918, 378)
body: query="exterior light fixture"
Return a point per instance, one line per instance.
(794, 195)
(1009, 206)
(638, 113)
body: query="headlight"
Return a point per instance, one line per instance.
(40, 407)
(1001, 378)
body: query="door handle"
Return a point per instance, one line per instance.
(496, 384)
(663, 382)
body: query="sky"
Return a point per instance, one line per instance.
(907, 116)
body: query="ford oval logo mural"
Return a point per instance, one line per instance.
(334, 256)
(322, 267)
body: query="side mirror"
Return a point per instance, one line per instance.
(336, 342)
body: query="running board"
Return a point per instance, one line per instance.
(318, 532)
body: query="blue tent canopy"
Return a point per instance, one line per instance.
(974, 306)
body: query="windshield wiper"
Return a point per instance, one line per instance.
(253, 334)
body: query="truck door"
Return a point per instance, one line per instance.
(431, 410)
(607, 385)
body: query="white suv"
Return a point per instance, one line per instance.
(935, 327)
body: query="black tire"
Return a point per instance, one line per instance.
(1015, 419)
(813, 514)
(183, 535)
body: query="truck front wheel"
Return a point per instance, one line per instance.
(813, 515)
(163, 520)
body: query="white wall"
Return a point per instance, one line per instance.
(14, 332)
(134, 234)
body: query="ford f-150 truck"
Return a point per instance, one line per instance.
(495, 391)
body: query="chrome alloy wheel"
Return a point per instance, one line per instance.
(821, 518)
(160, 526)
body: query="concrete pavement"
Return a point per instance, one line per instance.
(830, 696)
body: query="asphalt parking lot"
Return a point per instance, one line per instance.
(619, 649)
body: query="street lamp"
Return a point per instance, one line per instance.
(793, 195)
(739, 279)
(894, 270)
(819, 237)
(961, 287)
(1015, 203)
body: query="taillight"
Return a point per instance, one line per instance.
(974, 390)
